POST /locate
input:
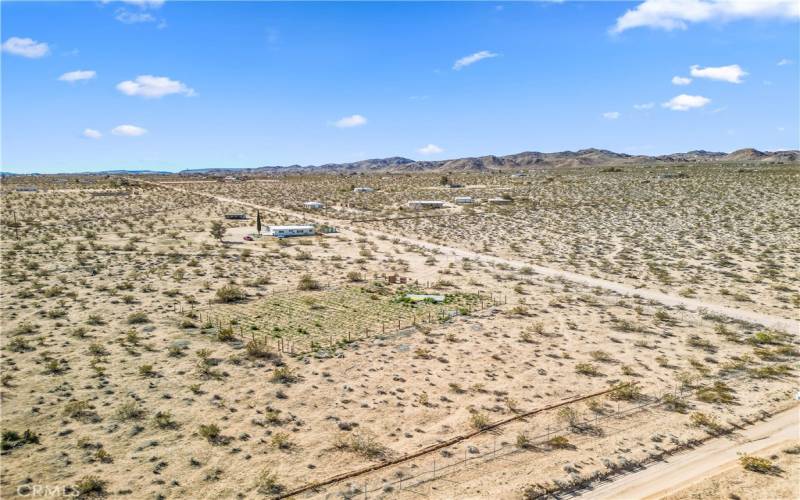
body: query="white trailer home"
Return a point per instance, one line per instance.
(288, 231)
(363, 190)
(424, 204)
(463, 200)
(314, 205)
(499, 201)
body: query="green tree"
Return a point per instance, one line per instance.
(217, 230)
(258, 222)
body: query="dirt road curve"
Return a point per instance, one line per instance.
(776, 322)
(717, 455)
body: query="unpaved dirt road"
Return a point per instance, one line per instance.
(715, 456)
(776, 322)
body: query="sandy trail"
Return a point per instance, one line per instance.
(719, 454)
(769, 321)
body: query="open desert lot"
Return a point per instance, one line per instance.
(153, 348)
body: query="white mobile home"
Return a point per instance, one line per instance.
(287, 231)
(499, 201)
(363, 190)
(315, 205)
(425, 204)
(463, 200)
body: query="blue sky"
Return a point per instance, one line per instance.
(173, 85)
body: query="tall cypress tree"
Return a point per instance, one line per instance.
(258, 222)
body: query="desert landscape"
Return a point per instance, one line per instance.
(455, 250)
(153, 347)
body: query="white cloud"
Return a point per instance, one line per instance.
(76, 76)
(153, 87)
(26, 47)
(128, 17)
(686, 102)
(785, 62)
(144, 4)
(681, 80)
(92, 133)
(153, 4)
(473, 58)
(612, 115)
(128, 130)
(647, 105)
(351, 121)
(430, 149)
(678, 14)
(732, 73)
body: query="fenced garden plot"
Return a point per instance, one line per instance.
(305, 321)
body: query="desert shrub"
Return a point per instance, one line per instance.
(88, 486)
(230, 293)
(479, 420)
(758, 464)
(12, 439)
(675, 403)
(211, 432)
(129, 411)
(307, 282)
(719, 392)
(164, 420)
(147, 370)
(363, 443)
(559, 442)
(708, 422)
(626, 392)
(226, 334)
(523, 442)
(587, 369)
(138, 318)
(267, 483)
(283, 375)
(601, 356)
(281, 441)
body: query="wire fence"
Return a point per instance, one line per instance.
(234, 325)
(586, 426)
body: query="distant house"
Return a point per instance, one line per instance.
(424, 204)
(455, 185)
(229, 178)
(314, 205)
(27, 189)
(499, 201)
(363, 190)
(288, 231)
(463, 200)
(236, 216)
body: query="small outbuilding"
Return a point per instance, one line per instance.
(314, 205)
(425, 204)
(463, 200)
(236, 216)
(363, 189)
(288, 231)
(499, 201)
(424, 297)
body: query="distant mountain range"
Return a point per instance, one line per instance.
(519, 161)
(522, 161)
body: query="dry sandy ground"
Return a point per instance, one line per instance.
(107, 360)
